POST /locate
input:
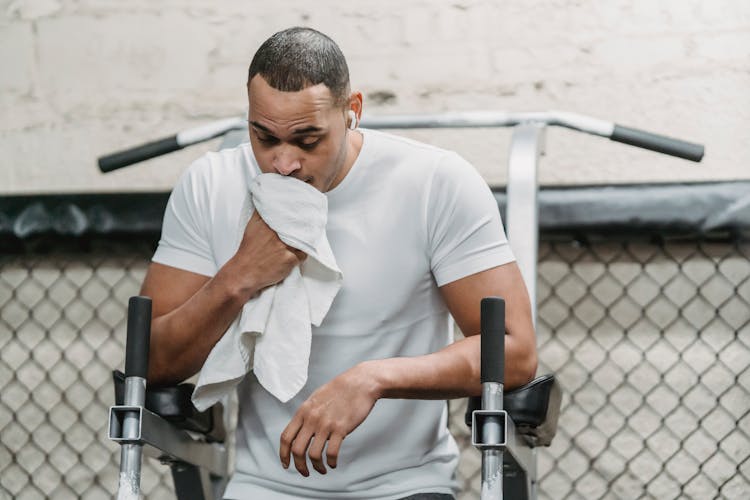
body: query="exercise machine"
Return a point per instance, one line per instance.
(507, 426)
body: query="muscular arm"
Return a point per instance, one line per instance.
(191, 312)
(338, 407)
(455, 370)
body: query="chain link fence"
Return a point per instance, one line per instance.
(650, 341)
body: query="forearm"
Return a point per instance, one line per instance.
(191, 311)
(182, 339)
(452, 372)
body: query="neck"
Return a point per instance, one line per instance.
(354, 141)
(353, 146)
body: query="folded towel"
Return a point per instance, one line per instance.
(273, 332)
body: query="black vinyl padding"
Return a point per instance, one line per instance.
(173, 403)
(49, 221)
(534, 408)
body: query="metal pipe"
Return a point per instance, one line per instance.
(131, 453)
(465, 119)
(492, 459)
(210, 130)
(468, 119)
(129, 487)
(136, 368)
(522, 216)
(488, 119)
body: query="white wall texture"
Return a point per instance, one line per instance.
(80, 78)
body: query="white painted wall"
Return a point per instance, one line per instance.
(82, 78)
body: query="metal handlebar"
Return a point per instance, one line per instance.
(471, 119)
(582, 123)
(138, 337)
(490, 423)
(188, 137)
(128, 418)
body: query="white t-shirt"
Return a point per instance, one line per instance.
(406, 219)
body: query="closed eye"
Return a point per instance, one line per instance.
(309, 142)
(265, 138)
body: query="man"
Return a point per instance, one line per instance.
(417, 234)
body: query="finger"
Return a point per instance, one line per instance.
(332, 452)
(316, 452)
(287, 438)
(299, 450)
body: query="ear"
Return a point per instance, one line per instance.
(355, 104)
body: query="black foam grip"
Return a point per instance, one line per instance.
(659, 143)
(139, 336)
(139, 153)
(492, 322)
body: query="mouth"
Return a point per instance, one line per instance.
(306, 180)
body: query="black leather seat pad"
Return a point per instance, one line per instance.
(534, 408)
(173, 403)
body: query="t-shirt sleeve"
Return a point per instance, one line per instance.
(464, 229)
(184, 242)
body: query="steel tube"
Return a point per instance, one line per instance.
(210, 130)
(466, 119)
(130, 472)
(488, 119)
(522, 215)
(164, 441)
(131, 453)
(492, 459)
(135, 395)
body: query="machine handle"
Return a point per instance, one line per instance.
(492, 330)
(136, 154)
(658, 143)
(139, 336)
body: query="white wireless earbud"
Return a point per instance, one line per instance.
(353, 117)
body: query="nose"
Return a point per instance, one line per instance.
(285, 162)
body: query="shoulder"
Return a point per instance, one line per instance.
(408, 158)
(390, 146)
(217, 173)
(220, 169)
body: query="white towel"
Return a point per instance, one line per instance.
(273, 332)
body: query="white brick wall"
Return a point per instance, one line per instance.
(82, 78)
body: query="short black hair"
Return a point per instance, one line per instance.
(298, 57)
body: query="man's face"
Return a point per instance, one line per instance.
(301, 134)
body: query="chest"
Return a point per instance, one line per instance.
(382, 253)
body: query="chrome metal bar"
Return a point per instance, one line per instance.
(135, 392)
(522, 211)
(466, 119)
(166, 442)
(162, 440)
(488, 119)
(492, 458)
(129, 487)
(210, 130)
(492, 396)
(131, 453)
(469, 119)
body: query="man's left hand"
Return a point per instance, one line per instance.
(327, 417)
